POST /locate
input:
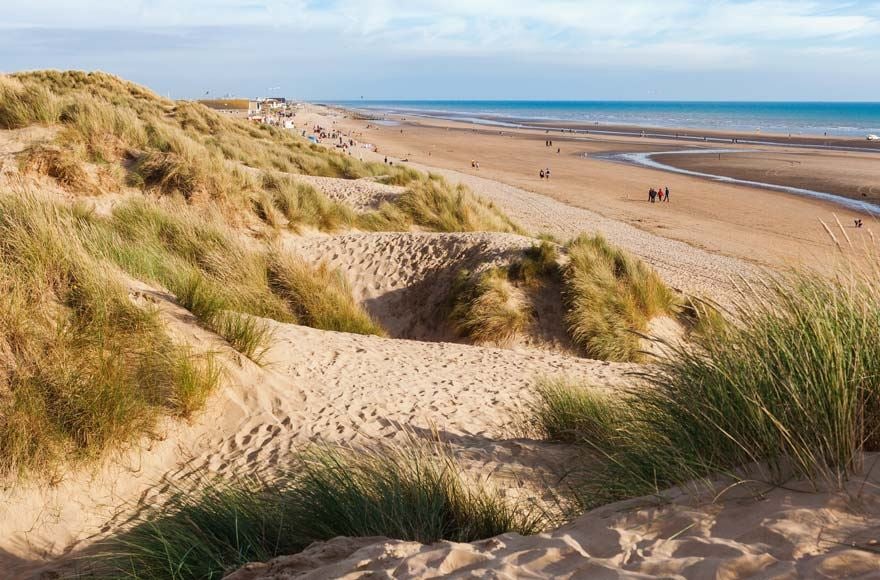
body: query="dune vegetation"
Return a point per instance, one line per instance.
(84, 365)
(414, 492)
(83, 368)
(786, 390)
(611, 296)
(495, 306)
(136, 138)
(201, 207)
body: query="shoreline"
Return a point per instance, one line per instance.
(687, 134)
(843, 198)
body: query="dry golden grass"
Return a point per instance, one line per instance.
(488, 308)
(83, 369)
(185, 149)
(320, 297)
(65, 165)
(611, 297)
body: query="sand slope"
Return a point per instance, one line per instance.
(403, 279)
(360, 194)
(316, 386)
(749, 533)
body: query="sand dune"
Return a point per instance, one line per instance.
(404, 279)
(316, 386)
(748, 533)
(360, 194)
(320, 386)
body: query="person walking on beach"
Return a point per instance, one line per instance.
(667, 193)
(547, 172)
(659, 194)
(542, 174)
(651, 195)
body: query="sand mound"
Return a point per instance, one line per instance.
(750, 533)
(360, 194)
(316, 386)
(403, 279)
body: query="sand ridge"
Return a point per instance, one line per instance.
(750, 532)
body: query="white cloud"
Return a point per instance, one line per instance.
(682, 33)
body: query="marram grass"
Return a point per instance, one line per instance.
(410, 492)
(788, 389)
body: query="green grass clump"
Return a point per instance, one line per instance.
(538, 264)
(567, 412)
(496, 305)
(319, 297)
(611, 296)
(200, 262)
(786, 390)
(84, 369)
(488, 308)
(408, 494)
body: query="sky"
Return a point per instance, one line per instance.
(460, 49)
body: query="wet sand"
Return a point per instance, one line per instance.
(852, 175)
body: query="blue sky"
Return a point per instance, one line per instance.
(461, 49)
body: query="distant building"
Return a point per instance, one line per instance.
(236, 107)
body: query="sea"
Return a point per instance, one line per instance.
(839, 119)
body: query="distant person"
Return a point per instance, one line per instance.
(858, 223)
(667, 194)
(651, 195)
(542, 174)
(547, 172)
(386, 160)
(659, 194)
(558, 150)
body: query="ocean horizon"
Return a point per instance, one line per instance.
(839, 119)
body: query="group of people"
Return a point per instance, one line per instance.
(659, 194)
(475, 164)
(545, 173)
(859, 223)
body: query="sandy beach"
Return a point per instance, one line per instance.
(760, 226)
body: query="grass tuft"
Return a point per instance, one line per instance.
(786, 390)
(567, 412)
(319, 297)
(434, 204)
(488, 308)
(83, 369)
(414, 494)
(611, 296)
